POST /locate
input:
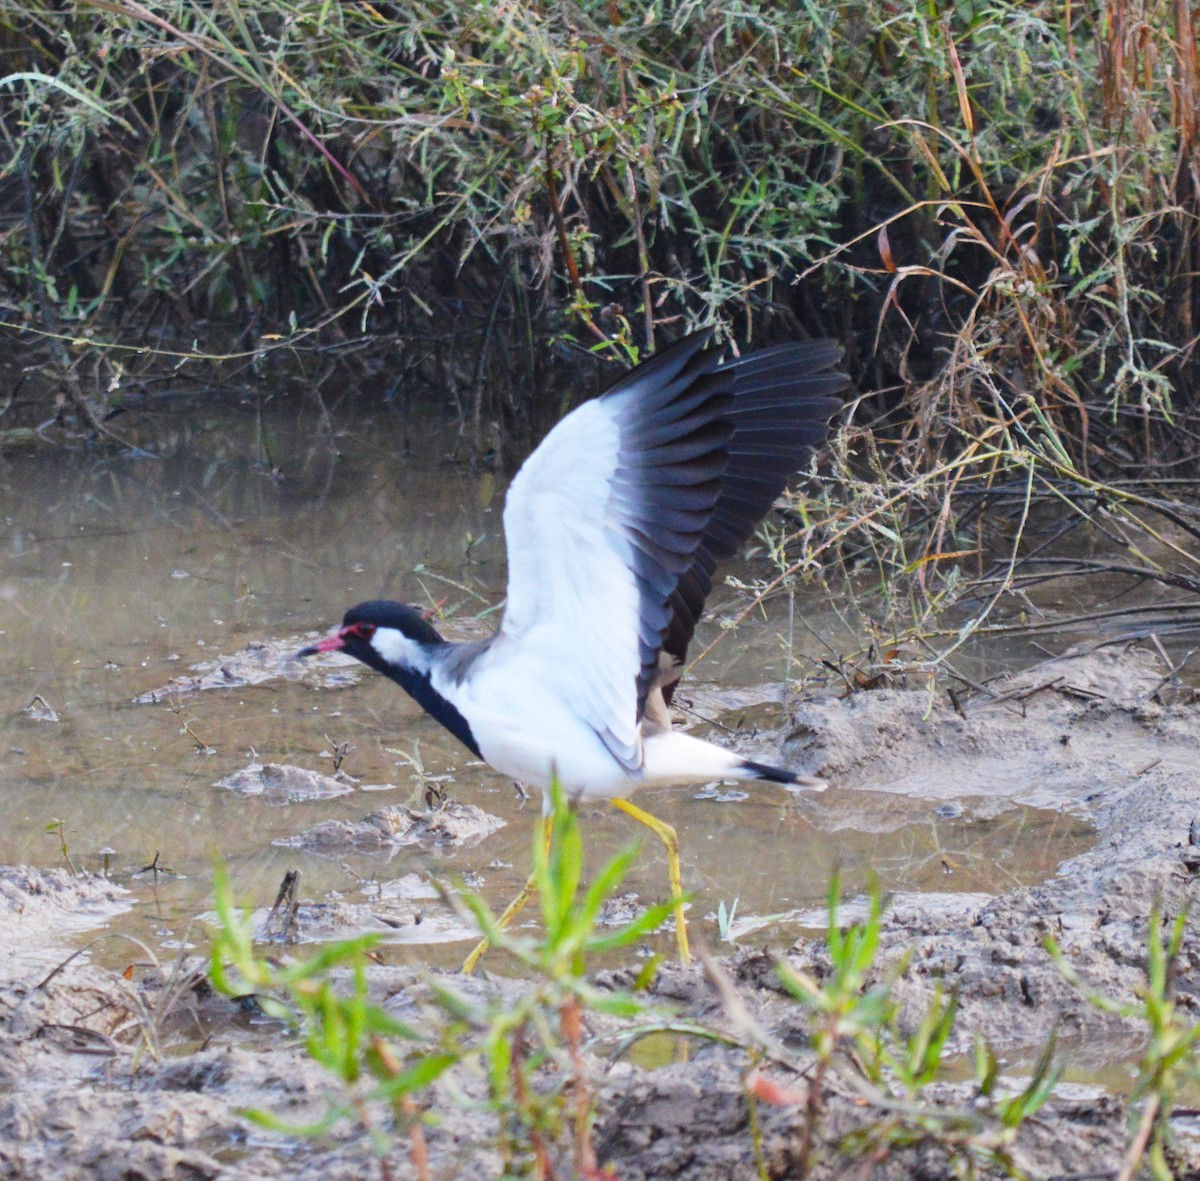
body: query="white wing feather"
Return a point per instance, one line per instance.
(572, 611)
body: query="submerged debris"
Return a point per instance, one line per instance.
(40, 710)
(620, 910)
(453, 824)
(281, 783)
(282, 923)
(255, 664)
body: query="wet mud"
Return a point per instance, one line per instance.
(101, 1077)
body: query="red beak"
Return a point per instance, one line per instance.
(332, 643)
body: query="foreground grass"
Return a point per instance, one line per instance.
(527, 1054)
(525, 1068)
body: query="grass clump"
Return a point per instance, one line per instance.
(860, 1042)
(520, 1063)
(992, 204)
(1168, 1066)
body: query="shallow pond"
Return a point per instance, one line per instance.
(253, 524)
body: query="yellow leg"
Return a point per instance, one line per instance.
(666, 834)
(516, 905)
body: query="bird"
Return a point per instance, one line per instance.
(614, 527)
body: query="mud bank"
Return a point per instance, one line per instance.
(1110, 736)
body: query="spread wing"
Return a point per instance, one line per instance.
(616, 521)
(602, 520)
(783, 400)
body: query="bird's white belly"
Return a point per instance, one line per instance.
(525, 726)
(563, 746)
(531, 733)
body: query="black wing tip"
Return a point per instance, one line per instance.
(666, 363)
(799, 359)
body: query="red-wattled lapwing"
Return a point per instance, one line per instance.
(614, 526)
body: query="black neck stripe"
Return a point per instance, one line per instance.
(421, 690)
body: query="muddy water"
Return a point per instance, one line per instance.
(118, 574)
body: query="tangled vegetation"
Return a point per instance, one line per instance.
(994, 205)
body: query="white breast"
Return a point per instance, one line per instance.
(527, 727)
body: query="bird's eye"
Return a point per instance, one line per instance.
(364, 631)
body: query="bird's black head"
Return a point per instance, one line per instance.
(376, 633)
(381, 613)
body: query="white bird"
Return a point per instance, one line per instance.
(614, 527)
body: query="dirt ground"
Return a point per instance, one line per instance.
(1109, 735)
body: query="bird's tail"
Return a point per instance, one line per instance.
(752, 770)
(672, 758)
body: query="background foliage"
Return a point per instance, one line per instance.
(993, 204)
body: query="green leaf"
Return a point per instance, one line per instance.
(269, 1120)
(649, 920)
(88, 100)
(416, 1077)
